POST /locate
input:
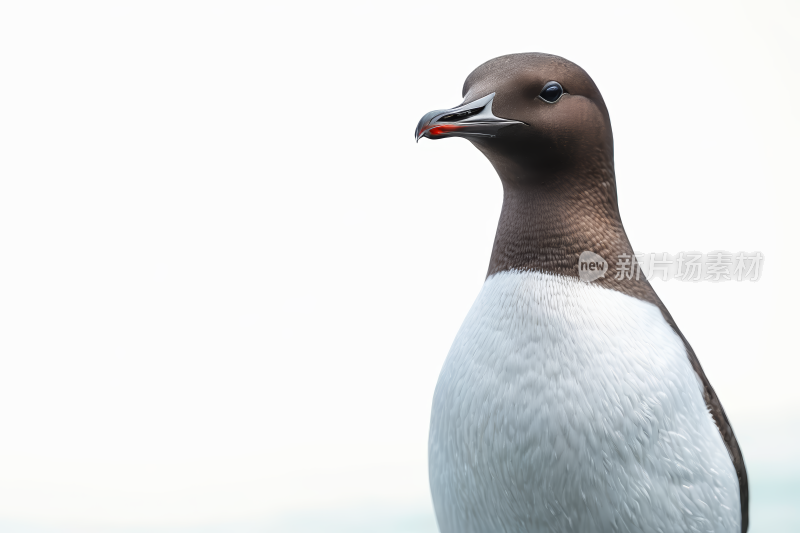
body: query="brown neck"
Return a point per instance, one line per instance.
(545, 225)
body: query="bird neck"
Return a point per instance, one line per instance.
(545, 226)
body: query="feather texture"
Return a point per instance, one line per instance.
(567, 407)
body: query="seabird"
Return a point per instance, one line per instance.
(567, 406)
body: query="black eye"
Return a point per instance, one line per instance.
(552, 92)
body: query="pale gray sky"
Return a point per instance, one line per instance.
(230, 276)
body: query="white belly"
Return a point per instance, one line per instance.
(566, 407)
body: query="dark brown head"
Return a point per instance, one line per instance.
(551, 124)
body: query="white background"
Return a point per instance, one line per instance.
(229, 277)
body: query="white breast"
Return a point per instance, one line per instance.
(566, 407)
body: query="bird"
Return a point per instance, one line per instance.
(567, 405)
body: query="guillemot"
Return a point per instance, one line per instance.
(567, 406)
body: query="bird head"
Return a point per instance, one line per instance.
(538, 118)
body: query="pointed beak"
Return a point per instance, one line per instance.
(474, 119)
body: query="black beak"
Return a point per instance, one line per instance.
(474, 119)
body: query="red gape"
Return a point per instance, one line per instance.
(444, 128)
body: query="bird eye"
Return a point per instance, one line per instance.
(552, 92)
